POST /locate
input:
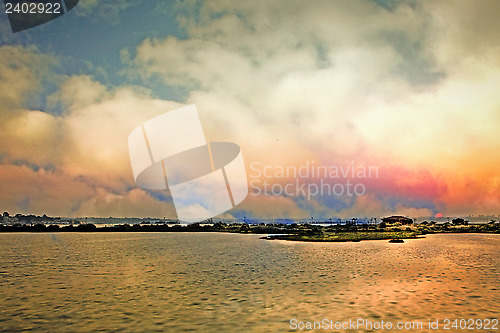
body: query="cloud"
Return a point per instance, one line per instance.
(403, 86)
(307, 70)
(23, 70)
(75, 162)
(134, 203)
(272, 207)
(40, 192)
(466, 34)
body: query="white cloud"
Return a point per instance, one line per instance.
(287, 66)
(75, 162)
(411, 86)
(22, 72)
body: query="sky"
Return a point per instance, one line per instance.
(406, 89)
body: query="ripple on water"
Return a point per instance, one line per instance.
(225, 282)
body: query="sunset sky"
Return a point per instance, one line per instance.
(408, 87)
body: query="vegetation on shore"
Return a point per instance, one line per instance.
(293, 232)
(382, 231)
(348, 236)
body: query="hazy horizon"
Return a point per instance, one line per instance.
(394, 103)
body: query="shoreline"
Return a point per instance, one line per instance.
(291, 232)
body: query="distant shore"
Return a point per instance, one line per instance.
(292, 232)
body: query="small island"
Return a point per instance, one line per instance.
(394, 228)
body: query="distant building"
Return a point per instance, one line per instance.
(397, 219)
(459, 221)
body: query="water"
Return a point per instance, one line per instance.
(231, 282)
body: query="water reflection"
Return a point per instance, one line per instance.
(227, 282)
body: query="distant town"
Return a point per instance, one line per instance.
(21, 219)
(394, 228)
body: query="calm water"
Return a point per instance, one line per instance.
(229, 282)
